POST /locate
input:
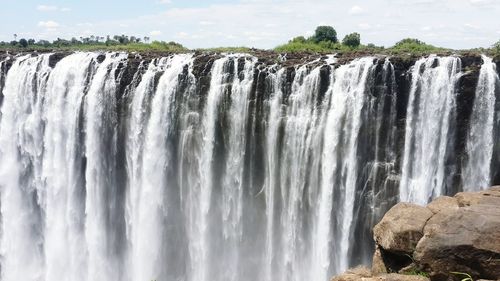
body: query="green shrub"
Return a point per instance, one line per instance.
(325, 33)
(414, 46)
(496, 46)
(352, 40)
(298, 39)
(23, 42)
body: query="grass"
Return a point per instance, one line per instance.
(417, 273)
(405, 48)
(309, 46)
(131, 47)
(402, 48)
(466, 276)
(226, 50)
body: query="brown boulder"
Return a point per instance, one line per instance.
(378, 265)
(401, 228)
(354, 274)
(396, 277)
(464, 240)
(490, 196)
(443, 203)
(364, 274)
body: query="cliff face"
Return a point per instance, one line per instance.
(285, 162)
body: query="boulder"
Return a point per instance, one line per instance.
(490, 196)
(465, 240)
(396, 277)
(450, 239)
(354, 274)
(401, 228)
(364, 274)
(378, 265)
(443, 203)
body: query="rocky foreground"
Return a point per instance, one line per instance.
(452, 238)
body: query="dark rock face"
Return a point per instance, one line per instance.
(459, 234)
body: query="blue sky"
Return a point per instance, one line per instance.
(256, 23)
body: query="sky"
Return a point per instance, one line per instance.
(265, 24)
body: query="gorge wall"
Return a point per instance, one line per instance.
(203, 167)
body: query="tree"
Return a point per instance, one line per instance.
(31, 41)
(299, 39)
(496, 45)
(409, 41)
(23, 42)
(352, 40)
(43, 43)
(325, 33)
(15, 36)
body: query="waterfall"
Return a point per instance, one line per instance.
(429, 129)
(151, 165)
(233, 178)
(275, 119)
(223, 167)
(63, 160)
(480, 141)
(21, 145)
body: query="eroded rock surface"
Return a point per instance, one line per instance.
(401, 228)
(451, 234)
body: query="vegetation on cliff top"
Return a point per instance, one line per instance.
(94, 43)
(324, 40)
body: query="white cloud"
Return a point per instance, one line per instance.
(481, 2)
(46, 8)
(364, 26)
(182, 35)
(52, 8)
(48, 24)
(273, 22)
(471, 26)
(356, 10)
(85, 24)
(155, 33)
(204, 22)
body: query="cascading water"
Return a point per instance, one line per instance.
(65, 186)
(22, 197)
(188, 168)
(150, 166)
(429, 129)
(480, 141)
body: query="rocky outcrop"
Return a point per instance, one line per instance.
(452, 235)
(364, 274)
(401, 228)
(452, 238)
